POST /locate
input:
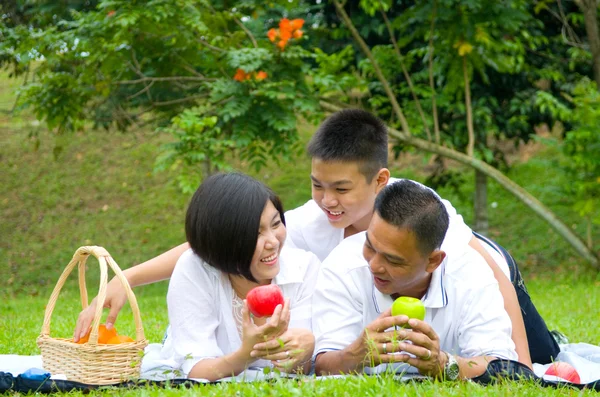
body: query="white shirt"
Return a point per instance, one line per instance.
(309, 229)
(200, 306)
(463, 304)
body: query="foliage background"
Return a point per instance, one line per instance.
(61, 189)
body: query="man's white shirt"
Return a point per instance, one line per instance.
(463, 304)
(200, 307)
(309, 229)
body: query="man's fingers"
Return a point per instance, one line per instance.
(423, 328)
(385, 322)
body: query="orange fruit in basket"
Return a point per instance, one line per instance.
(104, 335)
(84, 339)
(115, 340)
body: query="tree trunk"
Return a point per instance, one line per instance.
(206, 168)
(480, 224)
(469, 108)
(590, 16)
(563, 230)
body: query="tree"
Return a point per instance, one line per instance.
(231, 79)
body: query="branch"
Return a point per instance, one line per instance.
(533, 203)
(146, 88)
(245, 29)
(212, 47)
(382, 79)
(180, 100)
(436, 121)
(405, 72)
(169, 78)
(12, 111)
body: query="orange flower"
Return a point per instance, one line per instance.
(240, 75)
(272, 34)
(111, 13)
(282, 44)
(296, 24)
(297, 34)
(285, 25)
(261, 75)
(285, 34)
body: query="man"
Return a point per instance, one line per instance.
(465, 324)
(349, 155)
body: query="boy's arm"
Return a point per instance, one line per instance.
(156, 269)
(511, 305)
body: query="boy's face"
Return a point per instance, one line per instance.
(343, 193)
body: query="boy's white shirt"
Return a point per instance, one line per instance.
(309, 229)
(463, 304)
(200, 307)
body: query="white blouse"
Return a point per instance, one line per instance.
(201, 306)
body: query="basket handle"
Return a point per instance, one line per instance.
(80, 258)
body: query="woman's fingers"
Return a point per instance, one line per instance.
(272, 344)
(84, 321)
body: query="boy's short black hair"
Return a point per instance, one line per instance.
(352, 135)
(410, 205)
(223, 218)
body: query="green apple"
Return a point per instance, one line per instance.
(411, 307)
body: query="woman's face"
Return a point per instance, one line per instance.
(271, 235)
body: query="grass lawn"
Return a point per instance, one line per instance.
(98, 188)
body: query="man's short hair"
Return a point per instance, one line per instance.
(352, 135)
(223, 219)
(410, 205)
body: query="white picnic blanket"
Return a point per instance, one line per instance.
(583, 356)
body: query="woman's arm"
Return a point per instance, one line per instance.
(234, 363)
(156, 269)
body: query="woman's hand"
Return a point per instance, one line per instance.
(275, 326)
(289, 352)
(116, 297)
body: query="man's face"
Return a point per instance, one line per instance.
(343, 193)
(398, 267)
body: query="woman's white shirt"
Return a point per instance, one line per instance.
(200, 304)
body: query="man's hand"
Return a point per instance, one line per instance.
(378, 341)
(425, 347)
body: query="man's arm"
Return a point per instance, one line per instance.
(511, 304)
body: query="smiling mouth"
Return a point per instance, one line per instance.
(269, 258)
(333, 213)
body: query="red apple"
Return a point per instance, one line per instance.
(564, 371)
(263, 300)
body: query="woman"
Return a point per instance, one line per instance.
(236, 229)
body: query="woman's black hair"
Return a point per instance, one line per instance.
(223, 218)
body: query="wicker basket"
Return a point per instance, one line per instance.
(92, 363)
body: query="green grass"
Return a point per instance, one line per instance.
(98, 188)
